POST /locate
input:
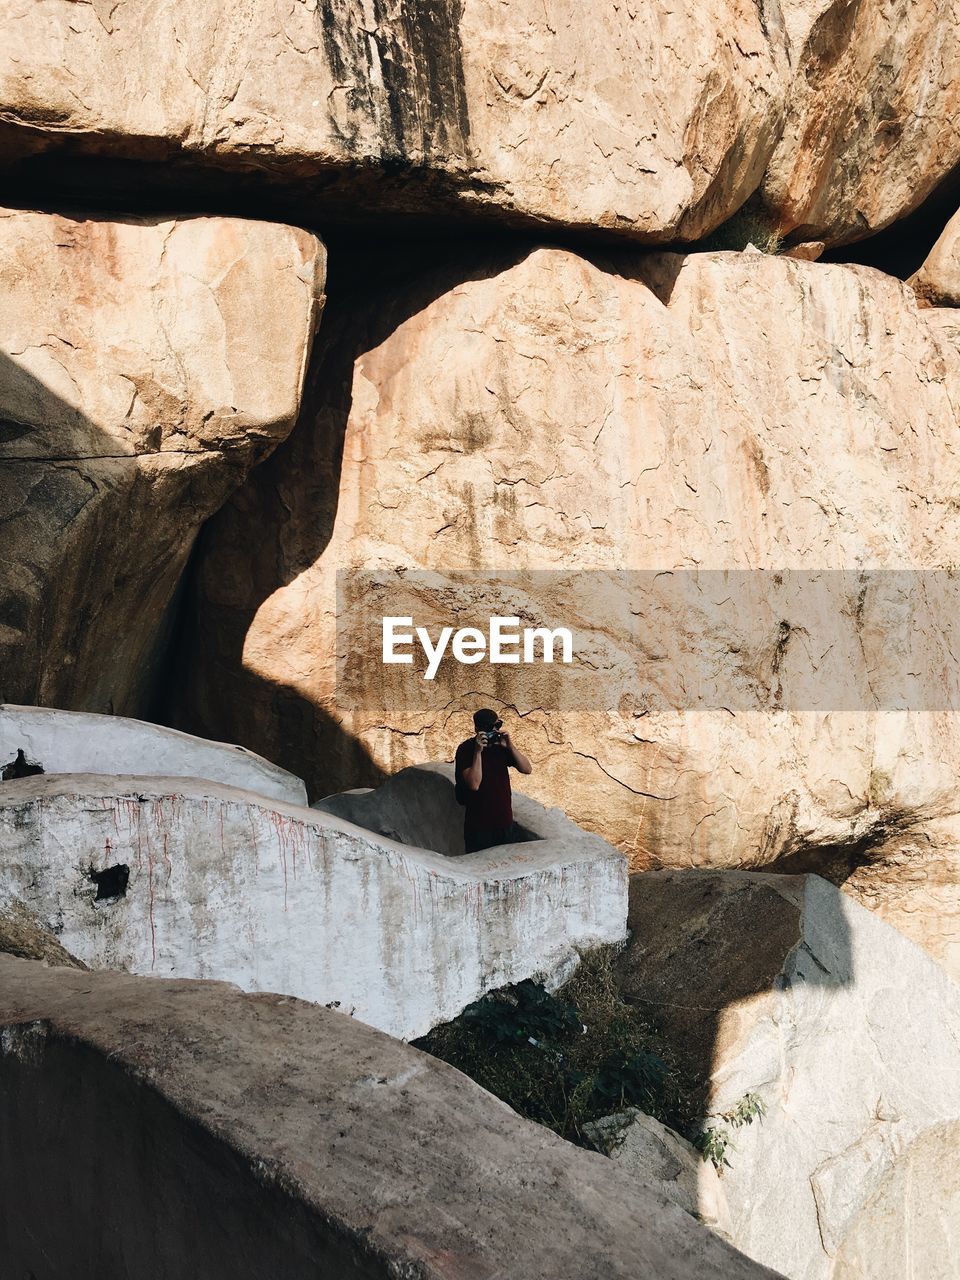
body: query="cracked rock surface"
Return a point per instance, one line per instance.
(587, 426)
(782, 987)
(873, 114)
(145, 366)
(652, 122)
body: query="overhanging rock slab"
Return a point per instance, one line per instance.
(222, 883)
(186, 1129)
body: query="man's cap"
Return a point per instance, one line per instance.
(485, 719)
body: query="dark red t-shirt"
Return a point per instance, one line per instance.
(489, 808)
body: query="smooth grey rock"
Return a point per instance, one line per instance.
(784, 987)
(662, 1158)
(185, 1129)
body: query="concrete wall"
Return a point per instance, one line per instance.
(223, 884)
(418, 806)
(155, 1130)
(80, 742)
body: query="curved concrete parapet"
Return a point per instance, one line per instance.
(248, 1136)
(82, 742)
(417, 806)
(186, 878)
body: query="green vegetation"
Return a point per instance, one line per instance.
(714, 1140)
(748, 225)
(567, 1059)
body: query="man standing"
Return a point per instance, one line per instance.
(483, 783)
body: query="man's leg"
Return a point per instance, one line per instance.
(474, 841)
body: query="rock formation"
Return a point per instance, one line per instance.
(584, 427)
(873, 115)
(258, 1135)
(938, 280)
(145, 366)
(659, 1157)
(783, 988)
(182, 878)
(591, 365)
(644, 121)
(21, 935)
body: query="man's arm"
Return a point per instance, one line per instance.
(473, 773)
(521, 761)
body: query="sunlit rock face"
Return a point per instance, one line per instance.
(780, 989)
(937, 282)
(585, 426)
(145, 366)
(641, 120)
(873, 114)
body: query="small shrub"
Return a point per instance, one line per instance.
(566, 1059)
(713, 1142)
(745, 227)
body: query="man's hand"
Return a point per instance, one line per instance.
(519, 759)
(481, 739)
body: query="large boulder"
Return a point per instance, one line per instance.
(937, 282)
(872, 122)
(184, 878)
(183, 1128)
(659, 1157)
(782, 988)
(778, 436)
(648, 121)
(145, 366)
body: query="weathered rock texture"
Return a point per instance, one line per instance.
(701, 414)
(873, 115)
(646, 121)
(212, 882)
(938, 280)
(80, 742)
(21, 935)
(247, 1136)
(145, 366)
(783, 987)
(651, 122)
(661, 1158)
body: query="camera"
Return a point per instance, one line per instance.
(492, 738)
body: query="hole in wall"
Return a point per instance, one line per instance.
(111, 882)
(20, 767)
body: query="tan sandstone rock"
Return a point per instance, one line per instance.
(938, 280)
(651, 121)
(728, 412)
(783, 989)
(21, 934)
(873, 114)
(145, 366)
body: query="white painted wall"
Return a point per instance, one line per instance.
(81, 742)
(275, 897)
